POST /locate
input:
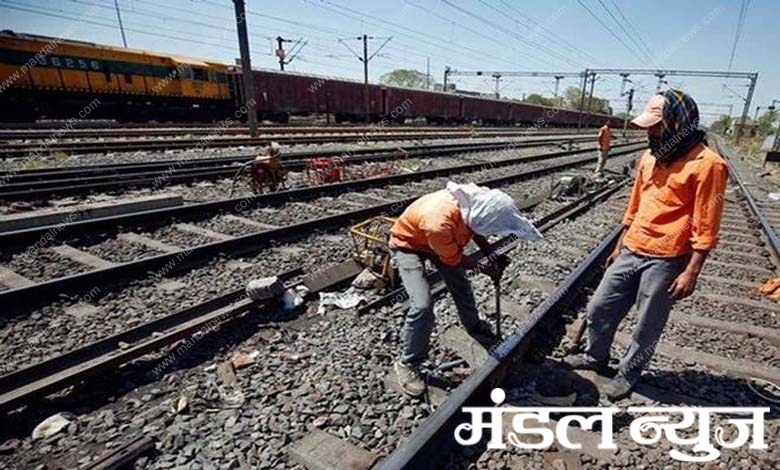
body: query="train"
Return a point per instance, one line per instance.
(52, 78)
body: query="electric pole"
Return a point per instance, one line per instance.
(629, 107)
(246, 66)
(497, 76)
(282, 55)
(582, 97)
(121, 26)
(366, 59)
(428, 73)
(558, 79)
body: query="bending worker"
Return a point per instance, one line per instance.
(437, 227)
(605, 140)
(671, 225)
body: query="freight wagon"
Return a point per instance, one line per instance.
(42, 77)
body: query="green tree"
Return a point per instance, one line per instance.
(597, 105)
(406, 78)
(765, 124)
(722, 125)
(536, 98)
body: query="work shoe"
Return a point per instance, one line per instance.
(483, 333)
(617, 388)
(410, 379)
(584, 362)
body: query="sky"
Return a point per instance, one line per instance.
(468, 35)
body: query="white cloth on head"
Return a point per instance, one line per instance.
(491, 212)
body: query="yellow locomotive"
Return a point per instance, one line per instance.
(54, 78)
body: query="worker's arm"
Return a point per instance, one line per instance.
(707, 214)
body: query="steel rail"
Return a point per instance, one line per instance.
(174, 131)
(435, 435)
(52, 374)
(294, 159)
(543, 224)
(766, 226)
(26, 297)
(39, 379)
(42, 185)
(155, 217)
(21, 150)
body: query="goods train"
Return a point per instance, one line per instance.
(44, 77)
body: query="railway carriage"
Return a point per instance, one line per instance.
(53, 78)
(43, 77)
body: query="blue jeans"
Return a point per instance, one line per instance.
(632, 279)
(418, 325)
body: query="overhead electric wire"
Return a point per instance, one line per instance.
(636, 44)
(507, 32)
(549, 32)
(615, 35)
(738, 34)
(631, 26)
(110, 26)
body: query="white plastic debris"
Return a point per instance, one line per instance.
(343, 300)
(52, 425)
(773, 196)
(293, 298)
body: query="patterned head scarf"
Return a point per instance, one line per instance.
(680, 124)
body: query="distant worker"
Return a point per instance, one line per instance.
(437, 227)
(671, 225)
(605, 140)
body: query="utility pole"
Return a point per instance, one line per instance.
(121, 26)
(282, 55)
(447, 70)
(590, 95)
(280, 52)
(557, 82)
(246, 65)
(582, 97)
(428, 73)
(746, 109)
(365, 78)
(497, 76)
(366, 59)
(629, 107)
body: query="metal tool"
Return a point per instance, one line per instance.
(497, 287)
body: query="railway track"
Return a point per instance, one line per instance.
(116, 132)
(47, 183)
(330, 374)
(101, 359)
(720, 347)
(43, 274)
(215, 140)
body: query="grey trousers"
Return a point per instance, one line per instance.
(632, 279)
(418, 325)
(601, 161)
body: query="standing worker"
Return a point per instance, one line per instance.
(437, 227)
(605, 140)
(671, 225)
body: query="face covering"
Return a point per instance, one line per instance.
(679, 131)
(491, 212)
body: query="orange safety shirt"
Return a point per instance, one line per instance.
(433, 224)
(605, 137)
(676, 208)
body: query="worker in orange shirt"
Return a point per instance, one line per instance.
(437, 227)
(670, 226)
(605, 140)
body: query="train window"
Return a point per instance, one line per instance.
(212, 76)
(198, 74)
(128, 78)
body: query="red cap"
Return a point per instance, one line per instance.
(654, 112)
